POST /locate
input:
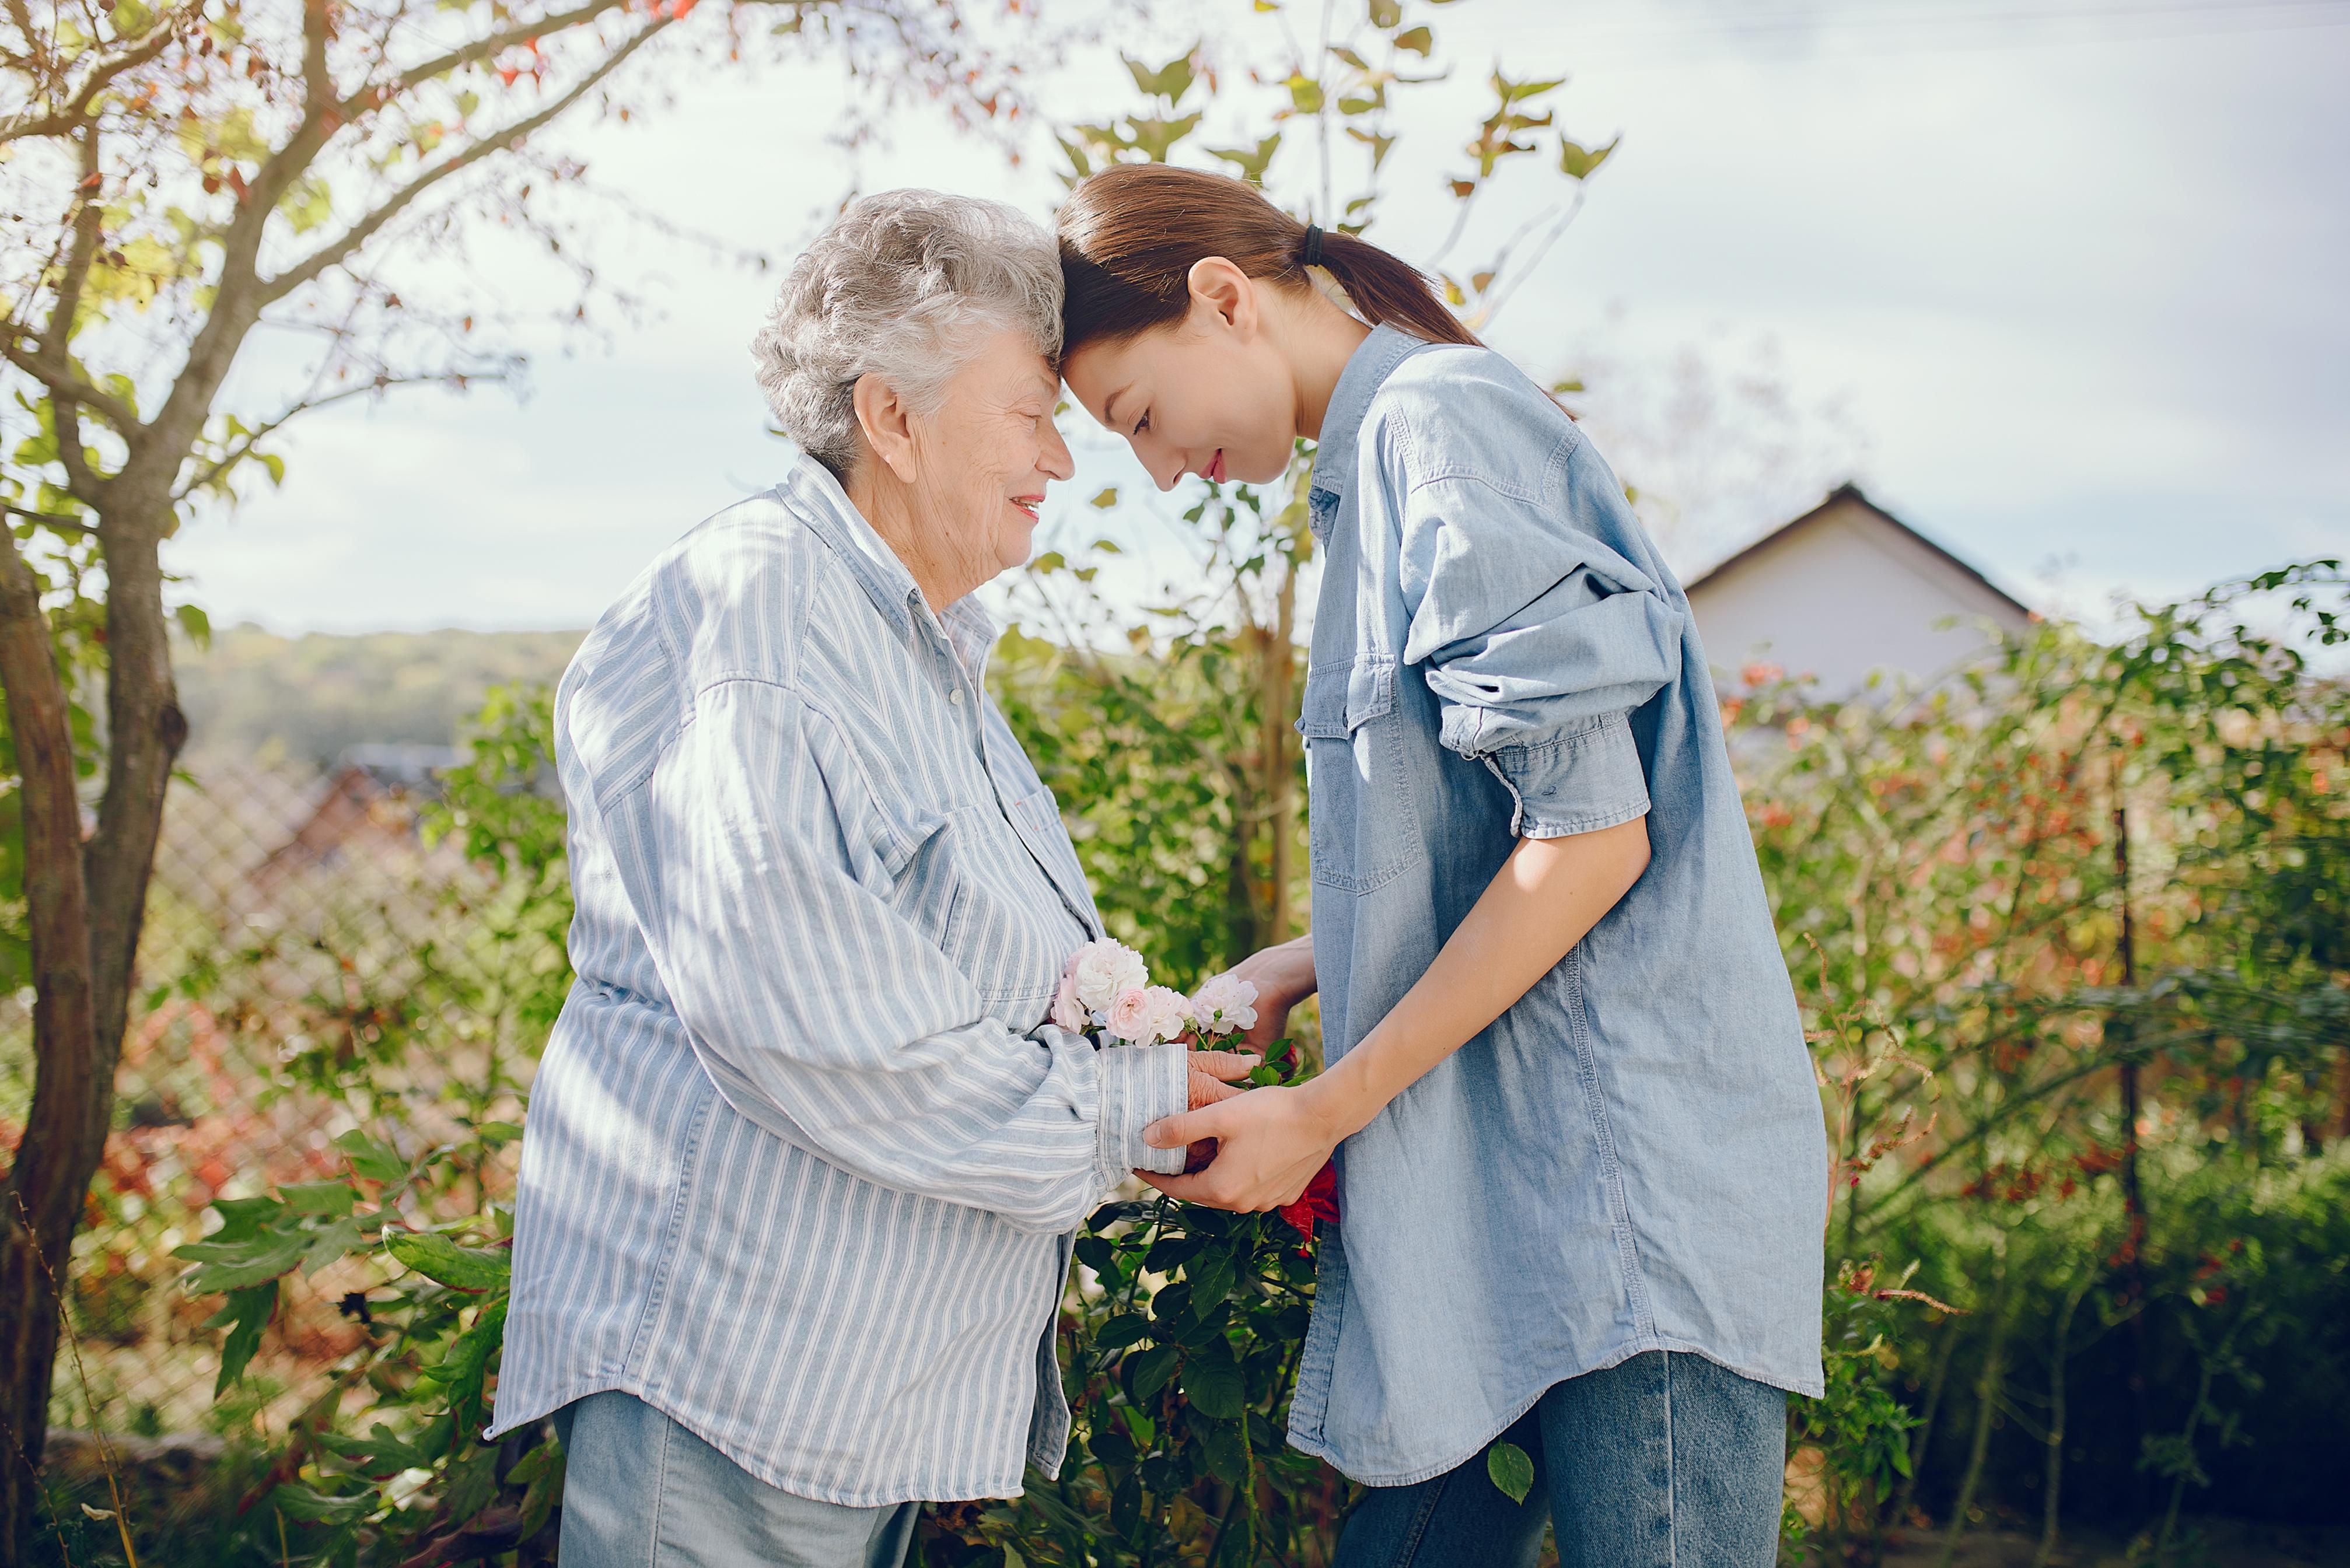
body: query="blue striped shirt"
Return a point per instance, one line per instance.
(804, 1159)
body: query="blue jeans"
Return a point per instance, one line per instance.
(1664, 1462)
(641, 1491)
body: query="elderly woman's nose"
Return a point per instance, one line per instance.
(1057, 461)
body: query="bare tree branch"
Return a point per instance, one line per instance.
(366, 228)
(52, 520)
(63, 121)
(381, 382)
(57, 337)
(65, 382)
(482, 48)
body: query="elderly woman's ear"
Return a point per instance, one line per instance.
(887, 423)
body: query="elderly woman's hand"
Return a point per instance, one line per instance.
(1215, 1077)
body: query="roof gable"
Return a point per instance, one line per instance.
(1837, 500)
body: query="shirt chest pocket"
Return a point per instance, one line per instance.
(1364, 829)
(974, 888)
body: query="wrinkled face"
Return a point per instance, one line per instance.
(1199, 396)
(982, 461)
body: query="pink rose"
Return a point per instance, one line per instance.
(1065, 1011)
(1132, 1014)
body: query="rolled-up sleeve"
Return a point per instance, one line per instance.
(826, 1017)
(1538, 639)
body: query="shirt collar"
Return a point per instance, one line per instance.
(1373, 360)
(827, 510)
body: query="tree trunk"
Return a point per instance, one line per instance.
(1987, 1391)
(2051, 1514)
(1922, 1437)
(85, 905)
(41, 1199)
(2132, 1190)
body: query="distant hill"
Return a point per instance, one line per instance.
(255, 696)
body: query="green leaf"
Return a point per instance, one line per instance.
(236, 1265)
(1152, 1368)
(1512, 1473)
(436, 1257)
(1211, 1276)
(1418, 40)
(1250, 164)
(245, 1314)
(1385, 13)
(1579, 164)
(1155, 137)
(194, 625)
(302, 1502)
(373, 1159)
(1105, 498)
(465, 1368)
(1304, 94)
(1213, 1383)
(1227, 1454)
(335, 1197)
(244, 1218)
(333, 1243)
(1122, 1331)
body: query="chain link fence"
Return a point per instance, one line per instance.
(308, 954)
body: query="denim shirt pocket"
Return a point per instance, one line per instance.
(1363, 828)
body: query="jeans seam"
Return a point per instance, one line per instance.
(660, 1486)
(1672, 1472)
(1419, 1523)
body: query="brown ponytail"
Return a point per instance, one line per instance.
(1130, 234)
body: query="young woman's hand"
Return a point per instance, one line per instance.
(1215, 1077)
(1269, 1144)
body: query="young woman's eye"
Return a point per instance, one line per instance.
(1143, 423)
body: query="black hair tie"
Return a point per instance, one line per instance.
(1313, 256)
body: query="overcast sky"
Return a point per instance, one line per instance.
(2062, 288)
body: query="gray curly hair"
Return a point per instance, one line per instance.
(906, 285)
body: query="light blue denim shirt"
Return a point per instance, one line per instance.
(1632, 1157)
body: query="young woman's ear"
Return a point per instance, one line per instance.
(887, 424)
(1225, 292)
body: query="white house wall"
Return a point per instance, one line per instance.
(1846, 593)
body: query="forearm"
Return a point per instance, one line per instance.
(1546, 897)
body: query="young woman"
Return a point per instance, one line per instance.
(1579, 1148)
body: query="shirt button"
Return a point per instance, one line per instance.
(955, 696)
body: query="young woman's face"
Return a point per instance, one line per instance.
(1209, 395)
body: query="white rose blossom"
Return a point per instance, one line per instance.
(1169, 1012)
(1101, 971)
(1225, 1005)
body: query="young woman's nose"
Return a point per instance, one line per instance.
(1166, 468)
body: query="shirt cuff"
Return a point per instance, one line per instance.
(1580, 782)
(1142, 1085)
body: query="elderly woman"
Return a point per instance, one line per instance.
(805, 1157)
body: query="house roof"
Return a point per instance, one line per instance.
(1851, 493)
